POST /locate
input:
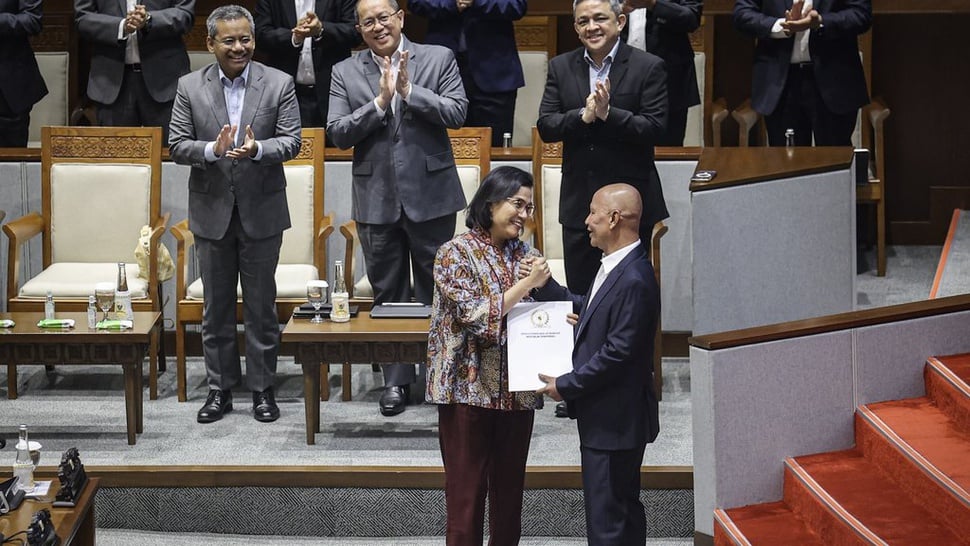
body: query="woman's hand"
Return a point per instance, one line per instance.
(539, 273)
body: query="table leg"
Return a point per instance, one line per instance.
(345, 382)
(132, 389)
(12, 381)
(324, 382)
(140, 396)
(311, 400)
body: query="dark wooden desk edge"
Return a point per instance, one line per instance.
(86, 517)
(832, 323)
(709, 160)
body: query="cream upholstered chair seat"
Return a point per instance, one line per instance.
(551, 230)
(99, 187)
(694, 135)
(535, 66)
(77, 280)
(302, 252)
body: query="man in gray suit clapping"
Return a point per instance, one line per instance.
(235, 122)
(394, 103)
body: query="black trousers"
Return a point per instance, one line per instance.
(495, 109)
(14, 126)
(135, 106)
(802, 108)
(611, 495)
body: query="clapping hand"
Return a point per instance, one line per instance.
(248, 149)
(601, 98)
(309, 26)
(225, 140)
(796, 21)
(403, 85)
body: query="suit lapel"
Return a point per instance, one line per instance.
(254, 94)
(371, 71)
(604, 290)
(581, 72)
(217, 98)
(289, 9)
(123, 7)
(619, 66)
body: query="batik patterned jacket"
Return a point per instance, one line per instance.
(467, 327)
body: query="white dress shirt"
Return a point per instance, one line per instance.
(607, 264)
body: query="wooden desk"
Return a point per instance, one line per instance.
(363, 340)
(72, 525)
(26, 344)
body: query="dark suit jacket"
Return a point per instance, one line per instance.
(833, 48)
(275, 20)
(610, 390)
(489, 38)
(619, 149)
(405, 162)
(163, 56)
(257, 188)
(21, 85)
(669, 25)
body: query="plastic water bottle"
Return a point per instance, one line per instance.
(23, 466)
(92, 312)
(49, 306)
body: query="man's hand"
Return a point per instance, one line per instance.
(386, 90)
(550, 388)
(539, 273)
(136, 19)
(248, 149)
(225, 140)
(462, 5)
(309, 26)
(589, 111)
(601, 99)
(572, 319)
(403, 84)
(796, 21)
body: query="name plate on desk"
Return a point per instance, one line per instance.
(401, 310)
(539, 341)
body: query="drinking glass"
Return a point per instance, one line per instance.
(104, 295)
(316, 294)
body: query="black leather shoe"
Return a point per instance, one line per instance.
(265, 409)
(394, 399)
(561, 410)
(216, 404)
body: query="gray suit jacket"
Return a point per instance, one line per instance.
(404, 162)
(257, 188)
(163, 56)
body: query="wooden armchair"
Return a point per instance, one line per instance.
(303, 255)
(472, 149)
(99, 186)
(869, 134)
(547, 174)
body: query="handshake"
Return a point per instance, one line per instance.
(535, 270)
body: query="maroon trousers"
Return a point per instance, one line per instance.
(484, 452)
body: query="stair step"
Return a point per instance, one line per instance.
(861, 491)
(762, 524)
(948, 384)
(920, 447)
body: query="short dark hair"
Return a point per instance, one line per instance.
(229, 12)
(500, 184)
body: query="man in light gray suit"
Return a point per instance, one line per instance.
(235, 122)
(137, 56)
(394, 103)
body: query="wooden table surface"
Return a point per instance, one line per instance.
(72, 525)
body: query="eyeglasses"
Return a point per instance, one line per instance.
(383, 19)
(521, 205)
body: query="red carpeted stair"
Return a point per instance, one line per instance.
(906, 482)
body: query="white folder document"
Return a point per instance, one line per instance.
(539, 341)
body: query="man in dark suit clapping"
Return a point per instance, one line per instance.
(807, 72)
(607, 103)
(610, 390)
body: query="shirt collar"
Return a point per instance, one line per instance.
(613, 259)
(608, 60)
(244, 76)
(395, 57)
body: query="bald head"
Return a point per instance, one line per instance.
(614, 217)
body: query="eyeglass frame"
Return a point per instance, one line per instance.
(521, 205)
(384, 18)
